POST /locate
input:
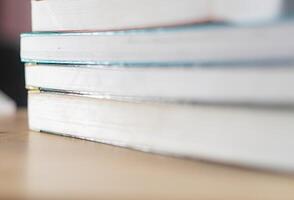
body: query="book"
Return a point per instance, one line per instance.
(259, 137)
(266, 83)
(204, 44)
(68, 15)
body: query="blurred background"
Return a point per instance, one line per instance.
(14, 19)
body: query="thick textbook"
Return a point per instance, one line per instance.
(266, 83)
(216, 43)
(258, 137)
(67, 15)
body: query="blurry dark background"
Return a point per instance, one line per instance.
(14, 19)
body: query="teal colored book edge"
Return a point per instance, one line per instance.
(270, 62)
(193, 27)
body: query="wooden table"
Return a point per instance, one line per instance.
(43, 166)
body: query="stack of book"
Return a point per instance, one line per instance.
(203, 79)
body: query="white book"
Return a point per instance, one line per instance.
(250, 136)
(256, 84)
(68, 15)
(192, 44)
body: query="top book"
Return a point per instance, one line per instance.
(76, 15)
